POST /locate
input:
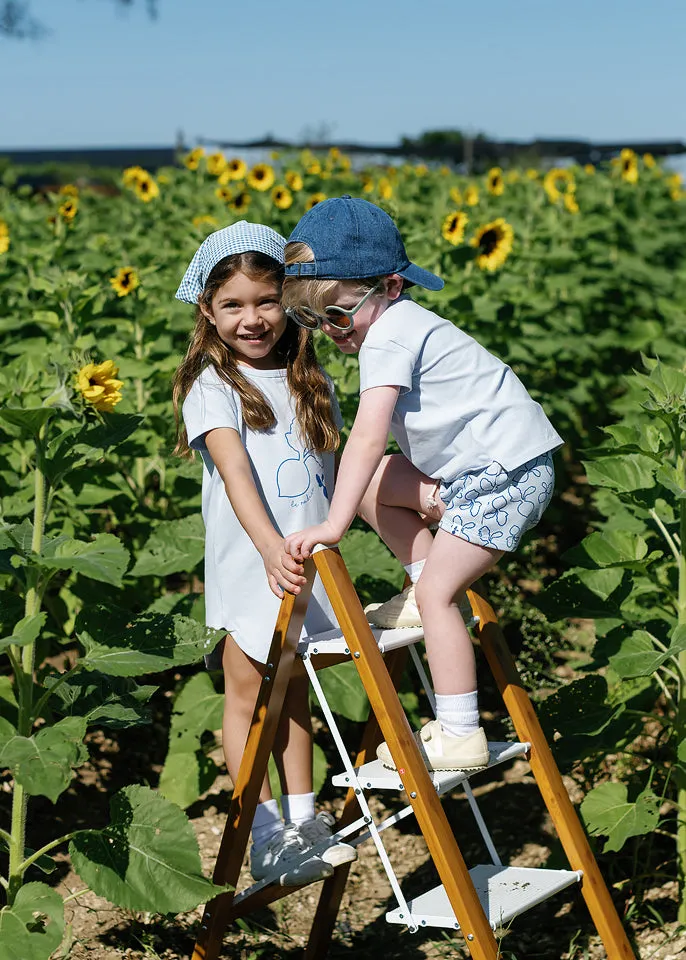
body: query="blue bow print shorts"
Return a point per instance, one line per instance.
(493, 507)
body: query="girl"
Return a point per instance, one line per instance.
(476, 449)
(261, 413)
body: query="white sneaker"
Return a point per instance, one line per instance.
(319, 830)
(284, 858)
(402, 611)
(443, 752)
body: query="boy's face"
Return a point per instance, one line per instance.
(347, 295)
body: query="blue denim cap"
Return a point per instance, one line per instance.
(240, 237)
(352, 239)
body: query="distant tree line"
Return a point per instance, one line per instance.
(18, 22)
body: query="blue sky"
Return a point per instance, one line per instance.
(366, 70)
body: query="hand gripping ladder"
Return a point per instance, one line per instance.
(474, 901)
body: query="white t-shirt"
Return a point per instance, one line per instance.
(459, 407)
(295, 485)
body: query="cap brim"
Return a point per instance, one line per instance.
(423, 278)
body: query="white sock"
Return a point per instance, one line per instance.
(413, 570)
(458, 713)
(267, 823)
(298, 807)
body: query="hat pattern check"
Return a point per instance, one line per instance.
(240, 237)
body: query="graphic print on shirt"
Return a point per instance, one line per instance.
(293, 477)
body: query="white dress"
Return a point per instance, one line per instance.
(295, 485)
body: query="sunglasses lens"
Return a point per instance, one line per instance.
(338, 319)
(304, 318)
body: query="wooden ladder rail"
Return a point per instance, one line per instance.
(549, 780)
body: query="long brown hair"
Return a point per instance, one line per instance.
(307, 383)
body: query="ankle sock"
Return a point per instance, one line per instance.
(267, 823)
(458, 713)
(413, 570)
(298, 807)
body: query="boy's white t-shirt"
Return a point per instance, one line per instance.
(295, 485)
(459, 407)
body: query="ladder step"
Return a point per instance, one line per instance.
(332, 641)
(504, 893)
(374, 776)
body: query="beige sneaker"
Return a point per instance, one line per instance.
(402, 611)
(443, 752)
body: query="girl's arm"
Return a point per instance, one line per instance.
(229, 456)
(362, 455)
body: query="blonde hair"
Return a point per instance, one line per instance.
(306, 380)
(310, 292)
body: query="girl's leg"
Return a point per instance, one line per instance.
(396, 496)
(293, 743)
(453, 565)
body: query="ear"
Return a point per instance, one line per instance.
(207, 314)
(394, 286)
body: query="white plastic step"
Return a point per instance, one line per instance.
(504, 893)
(333, 641)
(374, 776)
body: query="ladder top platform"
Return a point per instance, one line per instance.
(504, 893)
(374, 775)
(333, 641)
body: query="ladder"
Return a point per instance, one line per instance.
(475, 902)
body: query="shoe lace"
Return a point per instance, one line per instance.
(318, 829)
(290, 844)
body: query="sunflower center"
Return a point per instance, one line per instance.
(489, 241)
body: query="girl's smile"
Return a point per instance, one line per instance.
(248, 316)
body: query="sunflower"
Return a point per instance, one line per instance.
(627, 165)
(282, 198)
(68, 190)
(367, 184)
(241, 202)
(294, 180)
(674, 186)
(225, 194)
(131, 174)
(192, 159)
(385, 188)
(532, 174)
(494, 181)
(471, 196)
(216, 164)
(314, 168)
(456, 195)
(570, 202)
(444, 171)
(494, 244)
(648, 161)
(261, 177)
(512, 176)
(68, 209)
(313, 200)
(589, 169)
(236, 169)
(4, 237)
(124, 281)
(344, 163)
(554, 179)
(205, 220)
(98, 385)
(334, 154)
(453, 227)
(146, 188)
(421, 170)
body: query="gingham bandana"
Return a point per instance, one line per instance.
(238, 238)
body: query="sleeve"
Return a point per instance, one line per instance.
(209, 404)
(390, 365)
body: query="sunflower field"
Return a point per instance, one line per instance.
(576, 277)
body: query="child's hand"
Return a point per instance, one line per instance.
(283, 571)
(300, 544)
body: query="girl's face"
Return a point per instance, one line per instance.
(347, 295)
(249, 319)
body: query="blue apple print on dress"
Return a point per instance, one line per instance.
(293, 475)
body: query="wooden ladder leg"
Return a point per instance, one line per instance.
(415, 778)
(334, 887)
(549, 780)
(253, 766)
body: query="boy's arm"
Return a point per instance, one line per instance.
(229, 456)
(362, 455)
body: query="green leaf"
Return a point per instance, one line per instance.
(601, 582)
(606, 811)
(681, 751)
(569, 597)
(29, 419)
(670, 477)
(33, 927)
(198, 707)
(115, 428)
(114, 702)
(42, 763)
(25, 631)
(344, 691)
(115, 644)
(105, 558)
(633, 471)
(639, 657)
(146, 859)
(186, 775)
(174, 546)
(611, 548)
(364, 553)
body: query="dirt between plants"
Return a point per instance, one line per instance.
(559, 929)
